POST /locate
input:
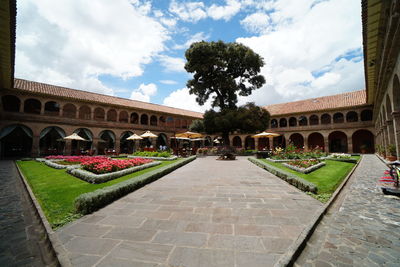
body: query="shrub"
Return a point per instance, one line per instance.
(92, 201)
(159, 154)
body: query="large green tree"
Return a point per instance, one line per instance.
(222, 71)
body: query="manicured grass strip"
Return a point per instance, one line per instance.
(327, 178)
(92, 201)
(56, 190)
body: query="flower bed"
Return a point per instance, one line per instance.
(63, 162)
(98, 171)
(341, 157)
(304, 166)
(291, 152)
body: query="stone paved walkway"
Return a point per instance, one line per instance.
(207, 213)
(21, 234)
(363, 231)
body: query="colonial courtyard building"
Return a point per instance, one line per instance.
(36, 117)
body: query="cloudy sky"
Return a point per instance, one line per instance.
(135, 48)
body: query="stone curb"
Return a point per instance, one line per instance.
(154, 158)
(297, 247)
(54, 243)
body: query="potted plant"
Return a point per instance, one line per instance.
(391, 149)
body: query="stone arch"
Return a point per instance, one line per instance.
(161, 121)
(314, 120)
(153, 120)
(170, 122)
(274, 123)
(51, 141)
(237, 141)
(15, 141)
(303, 121)
(80, 147)
(134, 118)
(123, 116)
(338, 142)
(112, 115)
(351, 116)
(396, 93)
(249, 143)
(69, 111)
(292, 122)
(126, 146)
(85, 113)
(279, 141)
(32, 106)
(283, 122)
(177, 123)
(11, 103)
(363, 141)
(338, 117)
(51, 108)
(316, 140)
(162, 140)
(99, 114)
(366, 115)
(297, 140)
(107, 141)
(144, 119)
(325, 118)
(263, 143)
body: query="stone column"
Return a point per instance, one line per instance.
(35, 146)
(117, 146)
(349, 145)
(42, 109)
(68, 147)
(95, 145)
(326, 144)
(396, 126)
(305, 143)
(390, 131)
(256, 143)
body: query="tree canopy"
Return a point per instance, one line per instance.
(248, 118)
(222, 71)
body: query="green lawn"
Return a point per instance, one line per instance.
(56, 190)
(327, 178)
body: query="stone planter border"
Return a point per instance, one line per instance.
(102, 178)
(305, 170)
(155, 158)
(290, 178)
(55, 165)
(278, 160)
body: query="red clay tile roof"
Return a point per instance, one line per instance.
(350, 99)
(74, 94)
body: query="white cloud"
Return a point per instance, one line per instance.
(172, 64)
(197, 37)
(257, 23)
(308, 39)
(168, 82)
(73, 43)
(144, 92)
(182, 99)
(226, 12)
(188, 11)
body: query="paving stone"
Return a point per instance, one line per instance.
(212, 228)
(181, 239)
(193, 257)
(126, 221)
(141, 252)
(83, 260)
(238, 243)
(94, 246)
(276, 245)
(132, 234)
(110, 261)
(85, 229)
(246, 259)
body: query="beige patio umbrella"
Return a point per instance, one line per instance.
(134, 137)
(189, 134)
(74, 136)
(148, 134)
(267, 135)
